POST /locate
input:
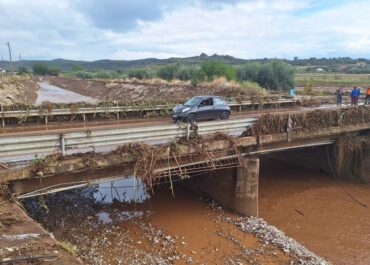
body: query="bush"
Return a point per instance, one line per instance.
(54, 71)
(76, 68)
(23, 70)
(138, 73)
(103, 75)
(85, 75)
(252, 88)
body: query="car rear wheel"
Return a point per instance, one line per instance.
(225, 115)
(192, 118)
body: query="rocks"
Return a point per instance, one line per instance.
(271, 234)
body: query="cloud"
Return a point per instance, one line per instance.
(119, 15)
(91, 30)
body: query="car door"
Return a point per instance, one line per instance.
(205, 109)
(219, 107)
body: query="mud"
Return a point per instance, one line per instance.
(132, 90)
(184, 229)
(22, 238)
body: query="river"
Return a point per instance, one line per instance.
(318, 211)
(307, 205)
(56, 94)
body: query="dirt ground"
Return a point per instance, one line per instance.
(146, 90)
(17, 89)
(23, 238)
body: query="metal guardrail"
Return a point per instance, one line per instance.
(117, 110)
(67, 143)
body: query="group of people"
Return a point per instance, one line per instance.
(355, 95)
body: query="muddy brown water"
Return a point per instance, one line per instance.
(308, 205)
(313, 208)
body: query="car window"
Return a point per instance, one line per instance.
(192, 102)
(206, 102)
(219, 102)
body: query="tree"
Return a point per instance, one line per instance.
(168, 72)
(266, 78)
(283, 75)
(273, 75)
(198, 76)
(40, 69)
(185, 73)
(213, 69)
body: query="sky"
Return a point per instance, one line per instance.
(137, 29)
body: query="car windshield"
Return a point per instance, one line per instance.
(193, 102)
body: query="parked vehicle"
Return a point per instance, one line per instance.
(202, 108)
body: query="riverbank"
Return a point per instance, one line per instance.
(17, 90)
(22, 240)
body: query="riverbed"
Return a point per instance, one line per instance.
(56, 94)
(124, 222)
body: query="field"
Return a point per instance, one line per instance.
(332, 79)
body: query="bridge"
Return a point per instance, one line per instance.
(221, 158)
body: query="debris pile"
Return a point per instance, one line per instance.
(309, 121)
(348, 152)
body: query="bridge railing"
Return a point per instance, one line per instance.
(120, 111)
(107, 139)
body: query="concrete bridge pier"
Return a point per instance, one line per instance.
(235, 189)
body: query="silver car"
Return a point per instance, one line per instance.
(202, 108)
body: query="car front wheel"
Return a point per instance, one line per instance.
(225, 115)
(192, 118)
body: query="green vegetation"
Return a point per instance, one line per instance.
(332, 79)
(273, 75)
(43, 69)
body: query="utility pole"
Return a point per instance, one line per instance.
(10, 57)
(20, 62)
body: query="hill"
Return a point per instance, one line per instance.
(339, 64)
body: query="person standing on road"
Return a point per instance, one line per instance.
(367, 96)
(352, 95)
(292, 92)
(339, 96)
(355, 93)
